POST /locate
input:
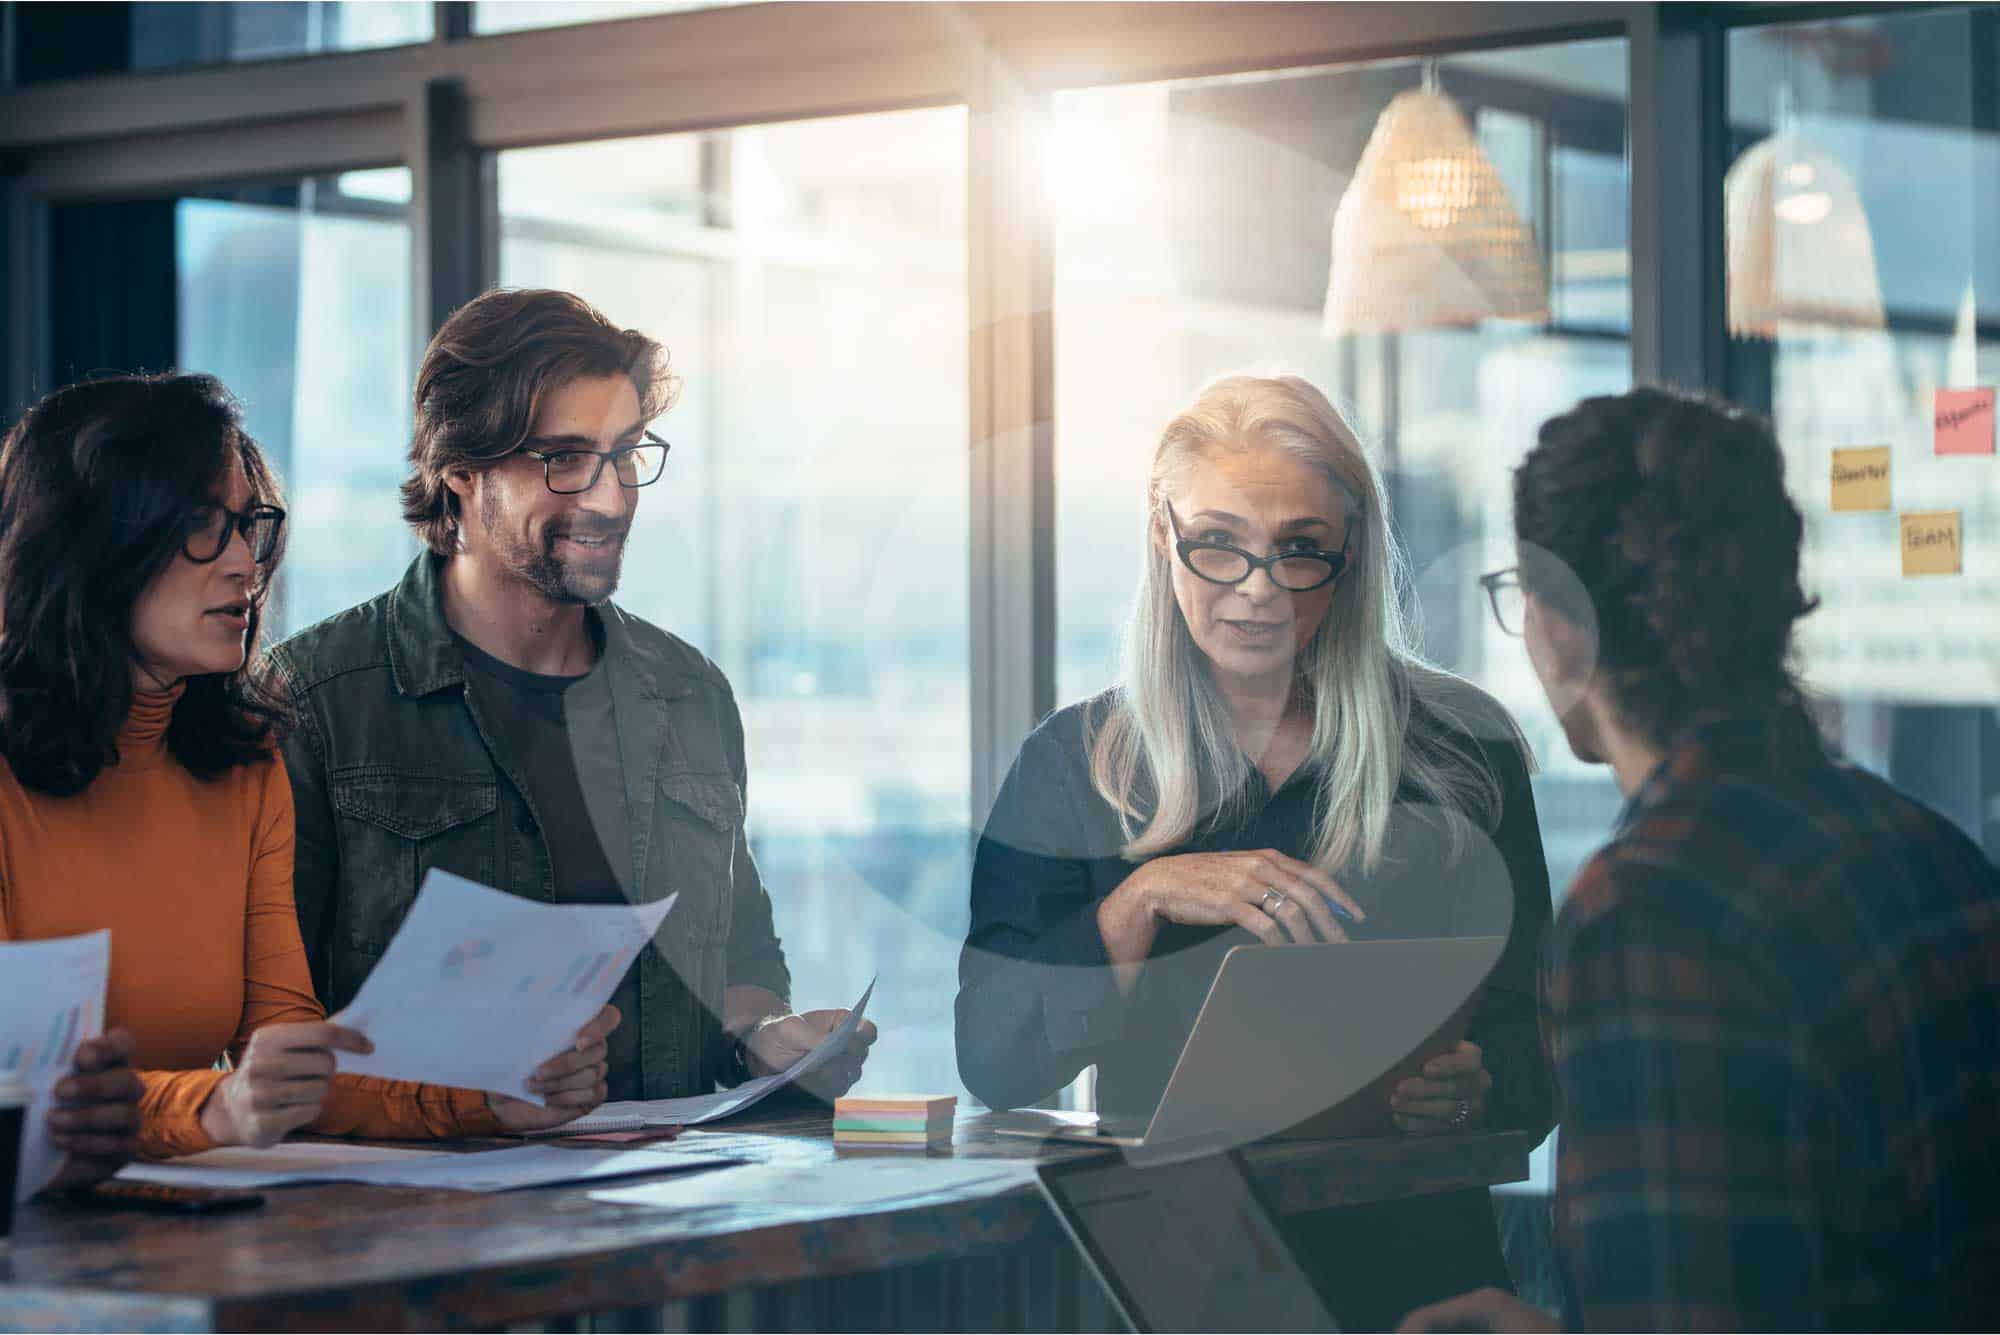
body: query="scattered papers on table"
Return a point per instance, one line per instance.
(848, 1184)
(643, 1114)
(479, 988)
(54, 1001)
(1861, 478)
(487, 1170)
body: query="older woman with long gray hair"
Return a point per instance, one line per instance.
(1276, 765)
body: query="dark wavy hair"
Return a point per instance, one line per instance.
(1671, 512)
(97, 482)
(483, 378)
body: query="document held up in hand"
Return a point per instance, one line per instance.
(480, 987)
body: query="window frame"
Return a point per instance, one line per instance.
(444, 107)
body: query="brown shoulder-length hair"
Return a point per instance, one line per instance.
(483, 379)
(97, 485)
(1671, 512)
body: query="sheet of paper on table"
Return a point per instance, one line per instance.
(478, 988)
(842, 1184)
(487, 1170)
(639, 1114)
(55, 1000)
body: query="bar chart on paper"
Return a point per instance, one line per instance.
(53, 1002)
(479, 987)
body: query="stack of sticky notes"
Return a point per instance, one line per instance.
(893, 1122)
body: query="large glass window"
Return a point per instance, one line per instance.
(811, 533)
(298, 297)
(515, 15)
(62, 40)
(1193, 226)
(1886, 131)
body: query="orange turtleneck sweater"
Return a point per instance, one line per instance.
(194, 879)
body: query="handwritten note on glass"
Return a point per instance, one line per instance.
(1861, 478)
(1931, 543)
(1965, 421)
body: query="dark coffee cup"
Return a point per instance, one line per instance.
(15, 1096)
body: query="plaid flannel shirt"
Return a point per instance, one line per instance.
(1773, 1007)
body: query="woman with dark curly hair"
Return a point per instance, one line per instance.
(141, 789)
(1773, 999)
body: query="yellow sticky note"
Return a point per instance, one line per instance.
(1861, 479)
(1930, 543)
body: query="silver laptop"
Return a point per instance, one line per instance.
(1301, 1040)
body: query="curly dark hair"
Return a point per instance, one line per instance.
(97, 483)
(483, 378)
(1671, 513)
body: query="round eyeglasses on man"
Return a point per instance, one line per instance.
(210, 526)
(1510, 604)
(1295, 570)
(569, 472)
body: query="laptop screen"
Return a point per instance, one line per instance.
(1184, 1245)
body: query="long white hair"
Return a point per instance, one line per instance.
(1167, 725)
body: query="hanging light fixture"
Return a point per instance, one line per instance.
(1799, 248)
(1425, 235)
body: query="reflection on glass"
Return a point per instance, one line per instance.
(297, 296)
(166, 34)
(810, 531)
(515, 15)
(1893, 100)
(1193, 240)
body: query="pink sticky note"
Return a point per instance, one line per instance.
(1965, 421)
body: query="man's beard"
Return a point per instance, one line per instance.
(555, 579)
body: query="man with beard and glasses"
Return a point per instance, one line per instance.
(497, 716)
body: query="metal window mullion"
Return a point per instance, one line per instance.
(1678, 153)
(447, 205)
(1012, 455)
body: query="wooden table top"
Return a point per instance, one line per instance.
(371, 1258)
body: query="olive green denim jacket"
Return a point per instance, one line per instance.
(394, 772)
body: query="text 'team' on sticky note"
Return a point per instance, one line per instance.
(1965, 421)
(1861, 478)
(1930, 543)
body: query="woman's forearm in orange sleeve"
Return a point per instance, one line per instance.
(170, 1105)
(368, 1106)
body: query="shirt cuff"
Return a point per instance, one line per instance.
(472, 1114)
(170, 1104)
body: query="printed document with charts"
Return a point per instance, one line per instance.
(480, 987)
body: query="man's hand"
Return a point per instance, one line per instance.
(573, 1081)
(776, 1044)
(95, 1121)
(1486, 1309)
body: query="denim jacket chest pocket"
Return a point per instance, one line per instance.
(396, 825)
(699, 824)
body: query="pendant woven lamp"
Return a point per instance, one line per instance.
(1800, 251)
(1425, 235)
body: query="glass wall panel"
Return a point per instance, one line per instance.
(298, 297)
(1888, 127)
(810, 536)
(1193, 224)
(64, 40)
(514, 15)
